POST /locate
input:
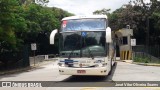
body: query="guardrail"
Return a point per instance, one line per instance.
(152, 50)
(41, 58)
(152, 59)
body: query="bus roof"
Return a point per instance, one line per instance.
(82, 17)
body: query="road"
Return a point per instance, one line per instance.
(122, 71)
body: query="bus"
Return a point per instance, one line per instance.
(86, 46)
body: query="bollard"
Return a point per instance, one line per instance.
(46, 57)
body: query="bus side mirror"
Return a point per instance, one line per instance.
(108, 35)
(52, 36)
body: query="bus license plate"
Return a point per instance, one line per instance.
(81, 71)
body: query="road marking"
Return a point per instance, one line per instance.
(90, 88)
(154, 88)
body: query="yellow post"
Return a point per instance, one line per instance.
(120, 55)
(130, 55)
(126, 55)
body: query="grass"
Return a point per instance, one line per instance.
(142, 59)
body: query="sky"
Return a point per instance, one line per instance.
(86, 7)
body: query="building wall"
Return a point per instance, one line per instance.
(125, 49)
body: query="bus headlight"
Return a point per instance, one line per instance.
(61, 64)
(99, 61)
(101, 65)
(104, 64)
(98, 65)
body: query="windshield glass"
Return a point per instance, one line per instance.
(83, 24)
(82, 44)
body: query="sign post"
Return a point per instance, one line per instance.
(33, 48)
(133, 42)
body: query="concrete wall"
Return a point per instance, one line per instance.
(125, 49)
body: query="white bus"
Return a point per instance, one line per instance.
(86, 46)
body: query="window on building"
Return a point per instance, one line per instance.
(125, 40)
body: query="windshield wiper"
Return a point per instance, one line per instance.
(90, 53)
(70, 54)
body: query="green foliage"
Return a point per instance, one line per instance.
(137, 14)
(11, 22)
(24, 22)
(42, 2)
(141, 59)
(103, 11)
(42, 20)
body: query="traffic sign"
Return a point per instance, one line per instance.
(133, 42)
(84, 34)
(33, 46)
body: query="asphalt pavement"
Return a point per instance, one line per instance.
(122, 71)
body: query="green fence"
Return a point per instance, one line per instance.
(13, 60)
(149, 53)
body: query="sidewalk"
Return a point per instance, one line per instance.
(43, 62)
(139, 63)
(31, 67)
(147, 64)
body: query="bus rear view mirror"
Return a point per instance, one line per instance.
(108, 35)
(52, 36)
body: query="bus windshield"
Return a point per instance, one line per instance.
(82, 44)
(83, 24)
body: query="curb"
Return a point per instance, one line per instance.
(147, 64)
(127, 61)
(138, 63)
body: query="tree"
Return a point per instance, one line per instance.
(42, 2)
(102, 11)
(142, 17)
(24, 22)
(12, 25)
(28, 2)
(151, 11)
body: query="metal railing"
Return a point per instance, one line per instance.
(152, 53)
(41, 58)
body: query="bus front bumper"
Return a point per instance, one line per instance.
(96, 71)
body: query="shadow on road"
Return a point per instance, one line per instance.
(92, 78)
